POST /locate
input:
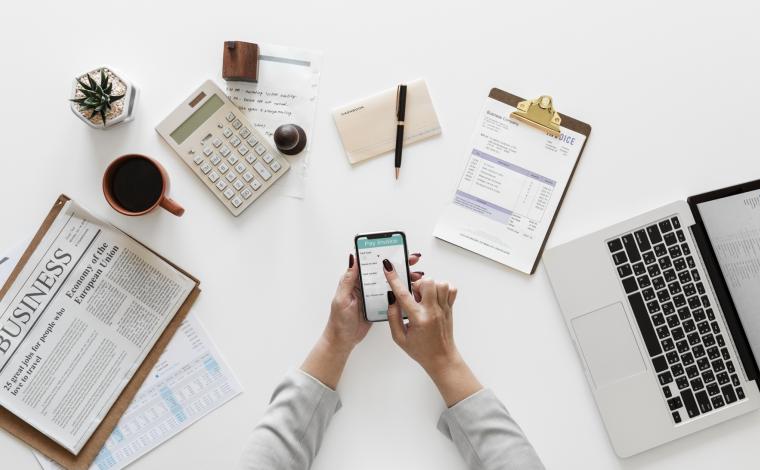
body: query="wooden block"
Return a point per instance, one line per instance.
(241, 61)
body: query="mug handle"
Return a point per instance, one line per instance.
(172, 206)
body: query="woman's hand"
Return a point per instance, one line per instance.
(428, 338)
(345, 328)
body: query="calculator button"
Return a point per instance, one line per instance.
(198, 160)
(240, 167)
(228, 193)
(207, 151)
(268, 157)
(221, 184)
(247, 176)
(250, 158)
(244, 132)
(236, 201)
(223, 168)
(234, 141)
(276, 166)
(231, 176)
(252, 141)
(224, 150)
(255, 184)
(238, 184)
(213, 176)
(230, 117)
(233, 159)
(215, 159)
(205, 168)
(261, 169)
(237, 124)
(216, 142)
(246, 193)
(227, 132)
(260, 149)
(243, 149)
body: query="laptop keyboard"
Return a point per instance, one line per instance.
(674, 312)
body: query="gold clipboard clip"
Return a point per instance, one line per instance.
(539, 113)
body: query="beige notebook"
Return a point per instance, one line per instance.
(368, 127)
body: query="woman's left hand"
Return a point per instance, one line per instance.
(346, 326)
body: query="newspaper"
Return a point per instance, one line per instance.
(78, 321)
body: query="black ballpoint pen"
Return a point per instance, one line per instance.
(400, 113)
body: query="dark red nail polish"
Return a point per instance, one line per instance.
(391, 298)
(388, 266)
(350, 261)
(418, 255)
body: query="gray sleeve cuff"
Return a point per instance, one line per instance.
(486, 435)
(290, 432)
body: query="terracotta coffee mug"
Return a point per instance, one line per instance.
(135, 185)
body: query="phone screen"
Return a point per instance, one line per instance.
(371, 250)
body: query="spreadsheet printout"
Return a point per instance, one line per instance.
(513, 179)
(189, 381)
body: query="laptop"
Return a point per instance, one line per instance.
(664, 310)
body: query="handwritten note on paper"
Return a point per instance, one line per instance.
(286, 93)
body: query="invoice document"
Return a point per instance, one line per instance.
(513, 179)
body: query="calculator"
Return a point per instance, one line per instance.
(213, 137)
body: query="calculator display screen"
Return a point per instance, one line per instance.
(195, 120)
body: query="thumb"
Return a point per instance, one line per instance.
(350, 277)
(398, 330)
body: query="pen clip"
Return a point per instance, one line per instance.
(398, 99)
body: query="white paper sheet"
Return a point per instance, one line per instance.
(190, 380)
(286, 93)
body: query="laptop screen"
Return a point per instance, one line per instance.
(733, 226)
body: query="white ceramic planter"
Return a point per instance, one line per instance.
(129, 101)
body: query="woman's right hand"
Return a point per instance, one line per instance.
(428, 338)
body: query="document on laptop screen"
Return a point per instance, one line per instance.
(512, 182)
(733, 225)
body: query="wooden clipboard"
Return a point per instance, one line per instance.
(567, 122)
(86, 456)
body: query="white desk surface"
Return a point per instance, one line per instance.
(670, 89)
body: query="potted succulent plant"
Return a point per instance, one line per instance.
(102, 98)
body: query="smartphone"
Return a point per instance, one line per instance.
(371, 250)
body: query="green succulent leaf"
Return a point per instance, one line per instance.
(96, 97)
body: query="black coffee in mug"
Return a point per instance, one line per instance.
(136, 184)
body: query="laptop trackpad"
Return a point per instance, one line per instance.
(608, 345)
